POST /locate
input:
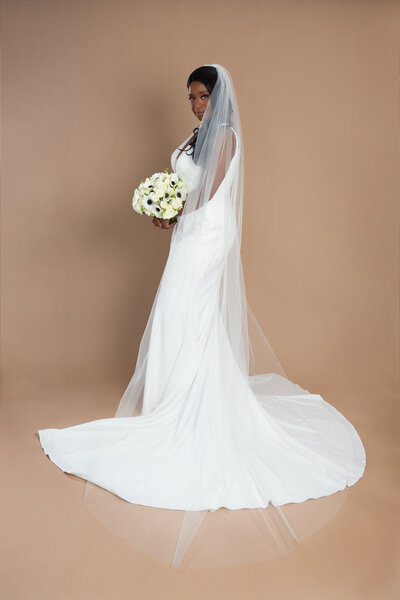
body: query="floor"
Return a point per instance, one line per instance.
(53, 547)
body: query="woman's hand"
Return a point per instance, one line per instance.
(163, 223)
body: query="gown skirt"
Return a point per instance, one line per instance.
(209, 436)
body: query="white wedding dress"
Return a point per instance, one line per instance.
(208, 437)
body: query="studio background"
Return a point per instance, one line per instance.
(93, 99)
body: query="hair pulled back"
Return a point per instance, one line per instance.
(207, 75)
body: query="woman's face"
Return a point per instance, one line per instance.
(198, 98)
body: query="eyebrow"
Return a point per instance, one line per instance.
(201, 92)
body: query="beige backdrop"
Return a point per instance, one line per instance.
(94, 98)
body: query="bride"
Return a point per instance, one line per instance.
(209, 419)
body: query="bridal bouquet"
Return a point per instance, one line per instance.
(161, 195)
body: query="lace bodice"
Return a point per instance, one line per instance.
(185, 166)
(187, 169)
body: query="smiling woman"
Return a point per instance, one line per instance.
(200, 85)
(198, 97)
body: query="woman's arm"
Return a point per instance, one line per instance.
(226, 141)
(164, 223)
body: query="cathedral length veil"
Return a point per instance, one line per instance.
(184, 537)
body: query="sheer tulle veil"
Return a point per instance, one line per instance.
(217, 153)
(165, 534)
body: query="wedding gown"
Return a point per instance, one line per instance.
(207, 436)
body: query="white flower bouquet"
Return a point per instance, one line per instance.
(161, 195)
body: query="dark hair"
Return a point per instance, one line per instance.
(207, 75)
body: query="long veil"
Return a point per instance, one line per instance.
(185, 537)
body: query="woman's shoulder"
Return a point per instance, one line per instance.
(228, 130)
(179, 150)
(227, 127)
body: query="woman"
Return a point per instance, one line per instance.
(198, 94)
(209, 418)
